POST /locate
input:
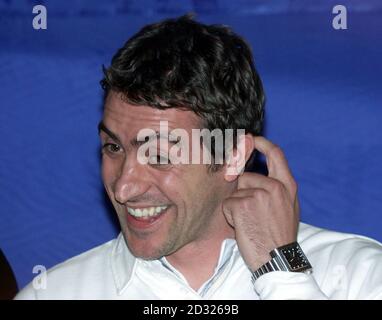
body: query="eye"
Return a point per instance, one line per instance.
(111, 148)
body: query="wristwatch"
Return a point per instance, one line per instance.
(288, 258)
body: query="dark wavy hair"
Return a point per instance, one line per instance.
(181, 63)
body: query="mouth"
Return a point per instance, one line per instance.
(145, 217)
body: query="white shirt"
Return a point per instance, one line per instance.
(345, 266)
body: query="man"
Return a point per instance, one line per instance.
(193, 230)
(8, 288)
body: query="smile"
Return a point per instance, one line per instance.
(147, 212)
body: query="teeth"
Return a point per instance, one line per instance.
(146, 212)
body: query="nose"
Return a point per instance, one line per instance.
(131, 183)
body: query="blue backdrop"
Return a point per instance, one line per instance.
(324, 109)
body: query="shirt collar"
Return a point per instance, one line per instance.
(123, 262)
(226, 254)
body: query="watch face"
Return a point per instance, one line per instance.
(295, 258)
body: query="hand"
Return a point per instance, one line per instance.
(264, 210)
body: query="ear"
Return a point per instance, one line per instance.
(238, 157)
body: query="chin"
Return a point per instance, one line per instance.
(146, 253)
(144, 248)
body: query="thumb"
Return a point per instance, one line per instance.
(226, 207)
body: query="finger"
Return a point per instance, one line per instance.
(246, 193)
(255, 180)
(275, 158)
(232, 205)
(227, 206)
(276, 162)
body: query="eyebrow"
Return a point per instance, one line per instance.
(135, 142)
(102, 127)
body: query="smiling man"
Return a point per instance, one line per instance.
(202, 230)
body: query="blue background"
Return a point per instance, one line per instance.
(324, 109)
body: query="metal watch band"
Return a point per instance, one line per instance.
(275, 264)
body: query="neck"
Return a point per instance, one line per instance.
(196, 263)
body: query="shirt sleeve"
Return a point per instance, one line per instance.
(350, 269)
(28, 293)
(281, 285)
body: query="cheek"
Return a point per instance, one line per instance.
(171, 185)
(183, 185)
(109, 171)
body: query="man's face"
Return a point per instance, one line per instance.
(183, 201)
